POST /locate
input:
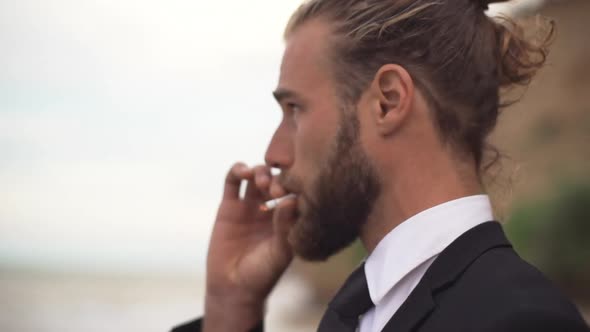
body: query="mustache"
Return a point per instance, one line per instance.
(293, 185)
(289, 183)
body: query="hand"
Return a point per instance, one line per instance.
(248, 251)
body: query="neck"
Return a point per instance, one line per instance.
(424, 187)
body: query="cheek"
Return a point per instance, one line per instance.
(309, 145)
(369, 138)
(313, 142)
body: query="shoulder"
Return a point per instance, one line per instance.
(500, 274)
(499, 291)
(537, 320)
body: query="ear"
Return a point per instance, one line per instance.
(393, 88)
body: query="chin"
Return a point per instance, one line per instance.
(314, 242)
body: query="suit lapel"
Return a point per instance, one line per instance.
(447, 267)
(416, 308)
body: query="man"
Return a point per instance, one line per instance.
(387, 105)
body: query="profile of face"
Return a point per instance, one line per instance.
(317, 146)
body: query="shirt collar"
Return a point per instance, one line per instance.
(420, 238)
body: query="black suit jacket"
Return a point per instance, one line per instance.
(479, 283)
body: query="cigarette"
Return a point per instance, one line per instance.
(273, 203)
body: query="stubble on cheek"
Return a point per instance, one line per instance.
(343, 195)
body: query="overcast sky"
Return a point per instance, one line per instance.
(118, 121)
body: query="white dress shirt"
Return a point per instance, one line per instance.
(402, 257)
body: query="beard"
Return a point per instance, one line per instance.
(343, 195)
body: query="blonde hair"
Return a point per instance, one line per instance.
(459, 58)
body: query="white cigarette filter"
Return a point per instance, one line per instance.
(273, 203)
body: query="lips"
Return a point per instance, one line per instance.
(288, 183)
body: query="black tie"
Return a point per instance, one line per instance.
(351, 301)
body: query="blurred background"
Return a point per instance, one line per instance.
(119, 119)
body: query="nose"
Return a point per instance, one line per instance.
(280, 151)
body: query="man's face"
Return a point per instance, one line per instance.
(318, 150)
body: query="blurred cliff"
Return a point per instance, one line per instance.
(547, 136)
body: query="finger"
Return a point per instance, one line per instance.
(262, 177)
(257, 188)
(276, 190)
(233, 180)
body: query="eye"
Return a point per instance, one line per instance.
(295, 108)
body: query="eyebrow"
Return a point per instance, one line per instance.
(282, 93)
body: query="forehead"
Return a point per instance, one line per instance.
(305, 60)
